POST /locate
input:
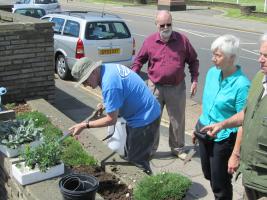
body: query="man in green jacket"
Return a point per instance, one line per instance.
(252, 134)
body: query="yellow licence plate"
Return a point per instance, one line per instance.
(108, 51)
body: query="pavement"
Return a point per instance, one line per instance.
(76, 105)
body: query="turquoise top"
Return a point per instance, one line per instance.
(223, 98)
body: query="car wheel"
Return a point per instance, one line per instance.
(62, 68)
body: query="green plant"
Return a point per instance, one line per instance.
(46, 155)
(17, 132)
(10, 106)
(163, 186)
(73, 152)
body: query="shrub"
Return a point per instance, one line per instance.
(163, 186)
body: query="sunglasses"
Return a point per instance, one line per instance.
(164, 25)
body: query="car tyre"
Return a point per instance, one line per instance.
(62, 68)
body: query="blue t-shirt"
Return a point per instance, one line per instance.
(124, 90)
(223, 98)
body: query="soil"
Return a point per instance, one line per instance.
(110, 187)
(21, 107)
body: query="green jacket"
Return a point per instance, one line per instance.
(254, 140)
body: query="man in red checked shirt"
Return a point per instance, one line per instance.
(167, 52)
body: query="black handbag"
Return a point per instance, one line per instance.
(201, 135)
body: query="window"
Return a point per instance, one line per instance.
(106, 30)
(71, 28)
(45, 1)
(59, 22)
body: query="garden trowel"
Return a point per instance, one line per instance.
(95, 115)
(190, 155)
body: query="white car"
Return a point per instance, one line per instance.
(96, 35)
(49, 6)
(31, 12)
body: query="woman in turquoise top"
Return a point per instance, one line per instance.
(224, 95)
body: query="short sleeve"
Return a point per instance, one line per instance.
(113, 99)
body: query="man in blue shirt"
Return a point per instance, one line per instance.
(124, 94)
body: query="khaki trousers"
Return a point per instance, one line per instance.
(174, 98)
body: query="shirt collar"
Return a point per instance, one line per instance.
(232, 76)
(264, 80)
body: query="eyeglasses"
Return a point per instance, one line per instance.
(164, 25)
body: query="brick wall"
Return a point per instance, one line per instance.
(26, 58)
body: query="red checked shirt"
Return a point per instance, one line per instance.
(166, 61)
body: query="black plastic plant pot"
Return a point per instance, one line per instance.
(78, 187)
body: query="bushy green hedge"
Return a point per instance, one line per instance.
(163, 186)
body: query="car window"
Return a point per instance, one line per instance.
(106, 30)
(37, 13)
(23, 1)
(45, 1)
(71, 28)
(59, 22)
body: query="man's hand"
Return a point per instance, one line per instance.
(233, 163)
(193, 89)
(77, 128)
(212, 129)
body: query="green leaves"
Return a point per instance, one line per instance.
(46, 155)
(13, 133)
(162, 186)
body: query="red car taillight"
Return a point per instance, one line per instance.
(79, 49)
(133, 53)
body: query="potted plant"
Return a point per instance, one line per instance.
(14, 134)
(39, 163)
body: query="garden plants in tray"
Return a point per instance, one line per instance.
(14, 134)
(39, 163)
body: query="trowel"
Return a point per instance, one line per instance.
(95, 115)
(190, 155)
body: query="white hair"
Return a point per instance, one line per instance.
(263, 38)
(228, 45)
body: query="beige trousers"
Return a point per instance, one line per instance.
(174, 98)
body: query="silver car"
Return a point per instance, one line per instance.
(99, 36)
(49, 6)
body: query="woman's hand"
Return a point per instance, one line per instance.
(194, 138)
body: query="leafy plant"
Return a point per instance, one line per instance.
(73, 152)
(17, 132)
(46, 155)
(162, 187)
